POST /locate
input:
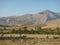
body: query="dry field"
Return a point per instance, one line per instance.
(31, 35)
(38, 40)
(30, 42)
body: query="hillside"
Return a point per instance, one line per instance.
(44, 17)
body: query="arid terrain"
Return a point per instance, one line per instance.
(29, 22)
(42, 28)
(31, 39)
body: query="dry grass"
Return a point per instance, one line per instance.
(30, 42)
(39, 39)
(51, 26)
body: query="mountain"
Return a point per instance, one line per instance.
(50, 15)
(44, 17)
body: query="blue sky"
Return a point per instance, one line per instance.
(20, 7)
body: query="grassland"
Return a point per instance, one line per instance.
(31, 39)
(37, 36)
(31, 42)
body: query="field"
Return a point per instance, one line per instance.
(24, 36)
(32, 39)
(30, 42)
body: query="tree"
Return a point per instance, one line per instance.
(25, 29)
(39, 29)
(13, 31)
(58, 29)
(19, 31)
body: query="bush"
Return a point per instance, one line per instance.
(55, 37)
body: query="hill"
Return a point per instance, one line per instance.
(45, 17)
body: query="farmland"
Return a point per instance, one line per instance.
(30, 39)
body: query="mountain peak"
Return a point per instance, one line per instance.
(46, 11)
(30, 19)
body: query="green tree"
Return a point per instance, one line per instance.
(20, 31)
(13, 31)
(25, 29)
(57, 30)
(39, 29)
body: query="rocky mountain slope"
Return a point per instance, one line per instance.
(44, 17)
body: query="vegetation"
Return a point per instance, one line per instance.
(30, 42)
(38, 30)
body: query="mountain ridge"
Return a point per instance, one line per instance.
(30, 19)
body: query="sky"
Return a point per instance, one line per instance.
(20, 7)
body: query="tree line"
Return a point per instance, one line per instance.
(37, 30)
